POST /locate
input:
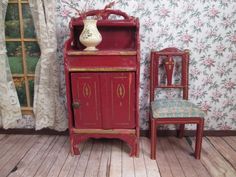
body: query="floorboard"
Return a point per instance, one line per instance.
(198, 166)
(2, 136)
(40, 157)
(49, 156)
(231, 141)
(105, 159)
(162, 161)
(94, 160)
(8, 145)
(224, 149)
(139, 165)
(127, 162)
(214, 161)
(173, 162)
(151, 165)
(27, 159)
(116, 160)
(20, 150)
(61, 158)
(84, 158)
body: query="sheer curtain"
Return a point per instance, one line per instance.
(48, 108)
(10, 110)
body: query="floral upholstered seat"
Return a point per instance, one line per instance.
(165, 108)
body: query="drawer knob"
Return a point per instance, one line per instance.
(76, 105)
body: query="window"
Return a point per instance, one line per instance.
(22, 50)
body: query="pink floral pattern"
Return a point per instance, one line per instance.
(206, 28)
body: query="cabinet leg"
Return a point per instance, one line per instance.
(137, 149)
(74, 147)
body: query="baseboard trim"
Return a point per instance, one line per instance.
(142, 132)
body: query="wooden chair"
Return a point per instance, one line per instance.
(172, 111)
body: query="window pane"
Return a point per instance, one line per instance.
(20, 88)
(14, 53)
(31, 90)
(12, 23)
(29, 31)
(32, 56)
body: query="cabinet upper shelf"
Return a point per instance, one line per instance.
(117, 35)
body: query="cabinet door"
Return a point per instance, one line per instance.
(86, 100)
(121, 95)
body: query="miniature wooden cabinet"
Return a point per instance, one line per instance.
(102, 86)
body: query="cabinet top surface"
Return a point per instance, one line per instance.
(102, 52)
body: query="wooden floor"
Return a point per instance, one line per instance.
(42, 155)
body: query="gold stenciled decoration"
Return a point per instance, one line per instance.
(86, 90)
(120, 90)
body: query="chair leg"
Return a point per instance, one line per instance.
(199, 135)
(153, 139)
(181, 131)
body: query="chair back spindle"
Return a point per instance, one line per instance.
(167, 58)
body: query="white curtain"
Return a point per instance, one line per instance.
(10, 110)
(48, 107)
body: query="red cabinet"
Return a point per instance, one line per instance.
(103, 86)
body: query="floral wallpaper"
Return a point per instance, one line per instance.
(206, 27)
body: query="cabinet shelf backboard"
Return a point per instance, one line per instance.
(115, 36)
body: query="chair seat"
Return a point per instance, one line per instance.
(169, 108)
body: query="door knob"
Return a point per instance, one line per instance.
(76, 105)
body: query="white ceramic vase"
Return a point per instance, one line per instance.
(90, 36)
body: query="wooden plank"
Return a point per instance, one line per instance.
(184, 156)
(73, 161)
(20, 152)
(40, 157)
(162, 161)
(94, 160)
(127, 162)
(68, 164)
(22, 165)
(105, 159)
(51, 157)
(3, 141)
(8, 144)
(12, 151)
(213, 161)
(224, 149)
(139, 165)
(197, 164)
(231, 140)
(83, 161)
(2, 136)
(115, 166)
(60, 161)
(173, 162)
(151, 165)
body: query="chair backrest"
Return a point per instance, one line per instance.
(166, 60)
